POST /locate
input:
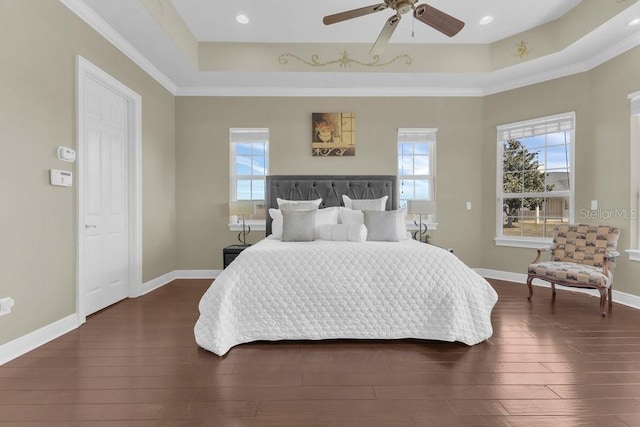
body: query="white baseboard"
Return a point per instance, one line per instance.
(35, 339)
(197, 274)
(165, 279)
(156, 283)
(619, 297)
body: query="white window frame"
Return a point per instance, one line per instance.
(234, 223)
(634, 100)
(528, 128)
(422, 135)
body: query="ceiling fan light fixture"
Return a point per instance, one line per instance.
(486, 20)
(242, 19)
(633, 22)
(429, 15)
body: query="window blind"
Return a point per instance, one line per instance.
(241, 135)
(417, 135)
(552, 124)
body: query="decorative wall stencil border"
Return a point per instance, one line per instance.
(522, 49)
(344, 60)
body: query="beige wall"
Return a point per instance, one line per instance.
(39, 41)
(202, 161)
(602, 152)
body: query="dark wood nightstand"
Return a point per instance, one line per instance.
(230, 253)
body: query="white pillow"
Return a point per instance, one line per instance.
(342, 232)
(365, 204)
(323, 216)
(386, 226)
(350, 216)
(296, 202)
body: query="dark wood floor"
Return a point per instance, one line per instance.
(136, 364)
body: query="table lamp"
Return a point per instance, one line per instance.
(242, 208)
(419, 207)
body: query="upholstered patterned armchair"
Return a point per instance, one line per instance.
(582, 256)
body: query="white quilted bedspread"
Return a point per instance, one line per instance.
(321, 290)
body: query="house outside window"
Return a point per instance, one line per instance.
(416, 169)
(249, 166)
(535, 179)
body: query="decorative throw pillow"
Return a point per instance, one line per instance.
(295, 202)
(385, 226)
(306, 206)
(342, 232)
(298, 226)
(365, 204)
(323, 216)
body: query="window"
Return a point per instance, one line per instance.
(416, 167)
(535, 179)
(249, 157)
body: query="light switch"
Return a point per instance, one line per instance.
(61, 178)
(468, 206)
(594, 205)
(5, 305)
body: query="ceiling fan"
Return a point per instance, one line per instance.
(429, 15)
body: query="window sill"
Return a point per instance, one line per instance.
(254, 227)
(634, 254)
(523, 243)
(430, 226)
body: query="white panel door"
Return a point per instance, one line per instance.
(105, 256)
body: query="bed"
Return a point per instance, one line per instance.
(332, 289)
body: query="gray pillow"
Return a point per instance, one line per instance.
(384, 226)
(299, 206)
(298, 226)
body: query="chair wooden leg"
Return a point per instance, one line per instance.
(610, 297)
(553, 291)
(603, 301)
(529, 280)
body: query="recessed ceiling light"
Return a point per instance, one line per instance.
(486, 20)
(634, 22)
(242, 19)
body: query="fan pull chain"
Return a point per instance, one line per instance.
(413, 27)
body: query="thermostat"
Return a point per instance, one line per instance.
(66, 154)
(61, 178)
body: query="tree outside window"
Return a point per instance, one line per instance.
(535, 177)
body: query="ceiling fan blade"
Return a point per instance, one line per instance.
(437, 19)
(343, 16)
(385, 35)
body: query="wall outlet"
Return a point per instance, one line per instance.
(5, 305)
(468, 206)
(594, 205)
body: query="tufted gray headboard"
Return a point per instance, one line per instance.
(330, 188)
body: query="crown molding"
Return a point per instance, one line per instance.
(479, 84)
(330, 92)
(87, 14)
